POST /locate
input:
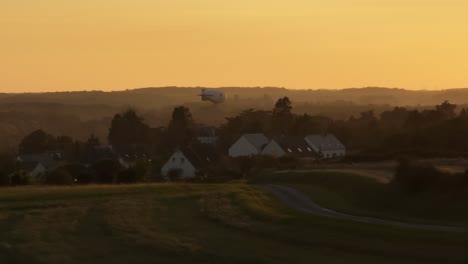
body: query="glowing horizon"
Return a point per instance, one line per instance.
(53, 45)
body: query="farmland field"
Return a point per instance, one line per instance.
(200, 223)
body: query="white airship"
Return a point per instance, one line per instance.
(214, 96)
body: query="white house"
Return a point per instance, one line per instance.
(327, 146)
(248, 145)
(178, 161)
(273, 149)
(189, 160)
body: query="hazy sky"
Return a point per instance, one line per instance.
(48, 45)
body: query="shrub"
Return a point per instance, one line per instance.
(21, 178)
(245, 165)
(288, 163)
(266, 162)
(80, 173)
(59, 177)
(416, 177)
(105, 171)
(127, 176)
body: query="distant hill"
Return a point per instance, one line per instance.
(151, 98)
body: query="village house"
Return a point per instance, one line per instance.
(186, 163)
(259, 144)
(326, 146)
(273, 149)
(37, 165)
(295, 146)
(248, 145)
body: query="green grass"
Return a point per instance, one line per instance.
(358, 193)
(183, 223)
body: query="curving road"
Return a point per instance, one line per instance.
(299, 201)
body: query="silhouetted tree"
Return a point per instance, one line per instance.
(180, 130)
(66, 145)
(463, 114)
(128, 130)
(7, 167)
(447, 110)
(37, 142)
(305, 124)
(282, 107)
(248, 121)
(282, 116)
(106, 171)
(59, 177)
(92, 141)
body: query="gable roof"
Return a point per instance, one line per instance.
(200, 154)
(325, 142)
(30, 161)
(99, 153)
(295, 145)
(259, 141)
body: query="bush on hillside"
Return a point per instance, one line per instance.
(5, 179)
(416, 178)
(106, 171)
(59, 176)
(288, 163)
(21, 178)
(129, 175)
(80, 173)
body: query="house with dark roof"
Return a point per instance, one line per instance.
(38, 164)
(97, 153)
(249, 145)
(188, 161)
(326, 146)
(295, 146)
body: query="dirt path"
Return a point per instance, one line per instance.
(299, 201)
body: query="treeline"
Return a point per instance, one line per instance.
(340, 117)
(106, 171)
(439, 131)
(435, 132)
(19, 119)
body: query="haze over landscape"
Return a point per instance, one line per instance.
(51, 45)
(304, 131)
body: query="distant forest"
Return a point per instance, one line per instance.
(80, 114)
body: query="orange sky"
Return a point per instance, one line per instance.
(51, 45)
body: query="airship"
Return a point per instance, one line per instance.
(214, 96)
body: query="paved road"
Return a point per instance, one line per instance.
(299, 201)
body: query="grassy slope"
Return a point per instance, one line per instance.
(195, 224)
(351, 192)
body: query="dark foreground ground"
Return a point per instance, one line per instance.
(235, 223)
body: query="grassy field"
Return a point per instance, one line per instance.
(183, 223)
(367, 193)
